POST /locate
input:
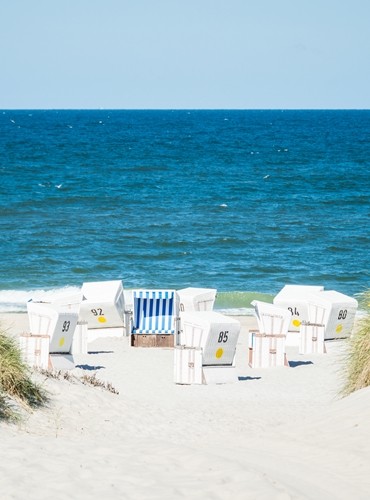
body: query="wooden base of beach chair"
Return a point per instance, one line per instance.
(267, 351)
(312, 339)
(143, 340)
(152, 340)
(165, 340)
(35, 350)
(188, 365)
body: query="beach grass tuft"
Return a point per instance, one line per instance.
(358, 357)
(7, 410)
(15, 380)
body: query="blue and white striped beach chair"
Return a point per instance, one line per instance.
(155, 312)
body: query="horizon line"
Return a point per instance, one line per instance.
(184, 109)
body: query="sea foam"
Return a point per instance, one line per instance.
(16, 300)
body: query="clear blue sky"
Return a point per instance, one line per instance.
(242, 54)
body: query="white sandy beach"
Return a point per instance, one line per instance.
(279, 433)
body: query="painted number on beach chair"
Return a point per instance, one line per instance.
(342, 314)
(223, 337)
(66, 325)
(97, 312)
(293, 311)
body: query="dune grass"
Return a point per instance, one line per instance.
(16, 384)
(358, 360)
(7, 411)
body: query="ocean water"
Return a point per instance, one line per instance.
(241, 201)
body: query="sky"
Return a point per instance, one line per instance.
(185, 54)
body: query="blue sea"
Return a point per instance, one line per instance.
(241, 201)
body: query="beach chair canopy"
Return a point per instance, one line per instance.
(154, 311)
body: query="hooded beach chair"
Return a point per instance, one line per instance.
(295, 299)
(103, 309)
(155, 317)
(267, 345)
(335, 311)
(208, 352)
(54, 322)
(197, 299)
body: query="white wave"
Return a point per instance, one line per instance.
(236, 311)
(16, 300)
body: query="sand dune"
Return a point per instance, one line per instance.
(276, 434)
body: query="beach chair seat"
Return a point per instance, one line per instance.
(155, 318)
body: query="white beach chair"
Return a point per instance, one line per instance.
(58, 322)
(210, 339)
(71, 301)
(267, 346)
(197, 299)
(335, 311)
(155, 316)
(103, 308)
(271, 319)
(295, 299)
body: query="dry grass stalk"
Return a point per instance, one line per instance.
(95, 382)
(15, 380)
(84, 379)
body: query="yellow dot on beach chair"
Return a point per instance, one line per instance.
(296, 322)
(61, 342)
(339, 328)
(219, 353)
(101, 319)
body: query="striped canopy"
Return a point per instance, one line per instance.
(154, 311)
